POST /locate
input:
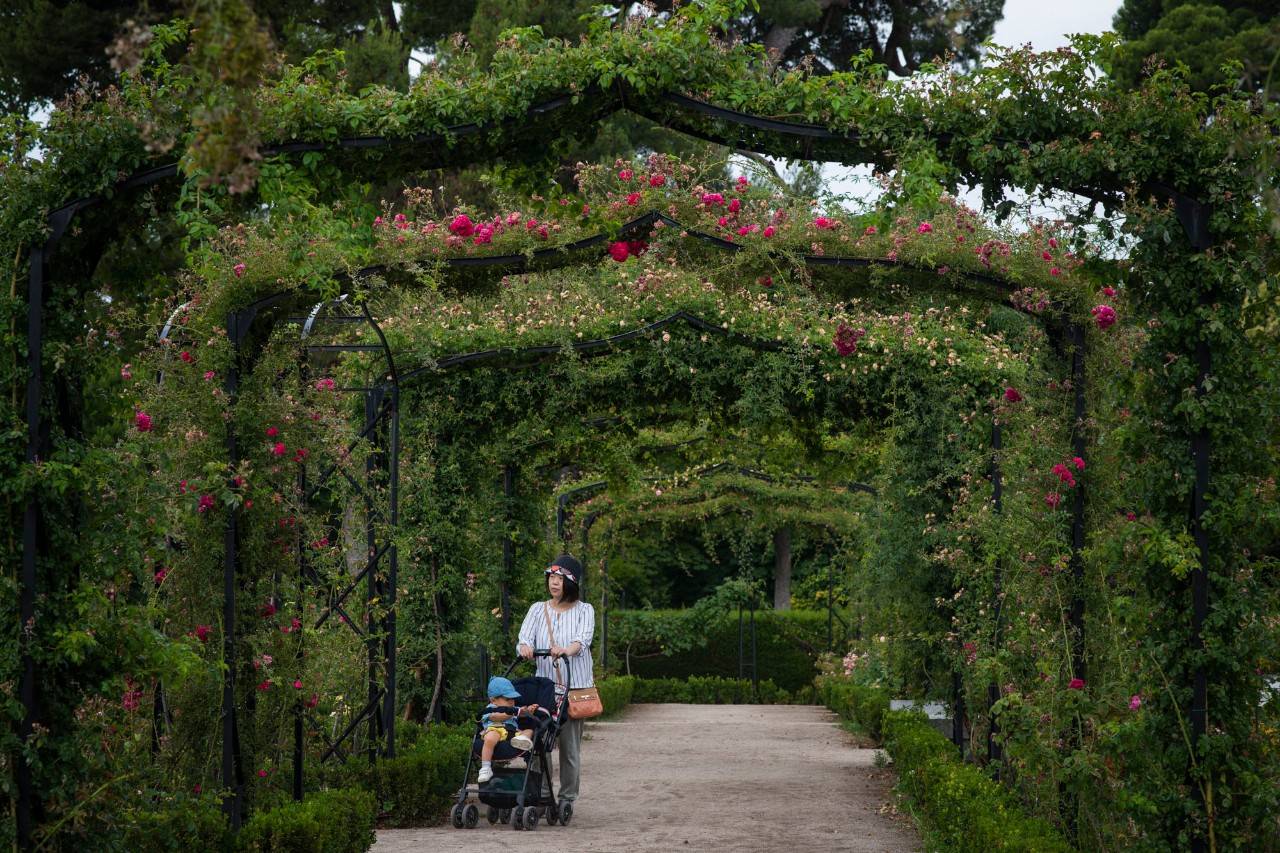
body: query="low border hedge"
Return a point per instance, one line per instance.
(339, 821)
(960, 808)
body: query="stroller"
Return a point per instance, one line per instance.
(520, 796)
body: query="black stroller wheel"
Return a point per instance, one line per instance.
(504, 815)
(517, 819)
(456, 816)
(553, 815)
(472, 816)
(566, 813)
(530, 817)
(494, 814)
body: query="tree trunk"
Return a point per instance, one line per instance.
(782, 568)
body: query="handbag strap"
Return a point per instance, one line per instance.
(555, 664)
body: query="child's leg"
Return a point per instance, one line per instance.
(491, 739)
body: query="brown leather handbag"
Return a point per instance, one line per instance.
(584, 702)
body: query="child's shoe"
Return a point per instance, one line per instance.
(522, 741)
(486, 773)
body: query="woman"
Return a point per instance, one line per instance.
(564, 625)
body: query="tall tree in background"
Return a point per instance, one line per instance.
(901, 34)
(51, 43)
(1202, 36)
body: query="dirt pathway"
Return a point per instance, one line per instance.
(707, 777)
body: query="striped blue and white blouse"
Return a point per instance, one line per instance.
(577, 624)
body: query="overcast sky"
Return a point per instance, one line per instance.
(1046, 25)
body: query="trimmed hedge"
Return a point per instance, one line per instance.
(615, 694)
(414, 788)
(334, 821)
(865, 706)
(711, 690)
(961, 808)
(197, 824)
(787, 647)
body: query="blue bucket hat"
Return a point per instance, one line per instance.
(499, 686)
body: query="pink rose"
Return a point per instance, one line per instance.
(1109, 292)
(1135, 701)
(1011, 395)
(142, 421)
(711, 199)
(1053, 499)
(769, 231)
(202, 633)
(1078, 462)
(186, 357)
(735, 205)
(209, 375)
(1076, 684)
(297, 684)
(205, 504)
(278, 449)
(239, 269)
(125, 372)
(160, 575)
(462, 225)
(1104, 316)
(626, 174)
(822, 223)
(657, 180)
(272, 432)
(633, 199)
(618, 251)
(846, 340)
(924, 228)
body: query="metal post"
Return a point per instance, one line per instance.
(1200, 448)
(993, 689)
(1070, 804)
(755, 670)
(741, 658)
(393, 575)
(831, 603)
(957, 711)
(604, 619)
(298, 752)
(231, 547)
(30, 540)
(372, 400)
(508, 552)
(1077, 513)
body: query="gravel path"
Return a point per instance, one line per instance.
(707, 777)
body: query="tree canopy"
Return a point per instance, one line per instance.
(1228, 43)
(53, 43)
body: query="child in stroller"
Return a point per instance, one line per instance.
(499, 723)
(521, 796)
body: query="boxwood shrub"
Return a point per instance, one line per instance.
(339, 821)
(865, 706)
(710, 690)
(962, 808)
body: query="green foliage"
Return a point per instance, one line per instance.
(338, 820)
(931, 371)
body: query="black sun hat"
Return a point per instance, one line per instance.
(567, 566)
